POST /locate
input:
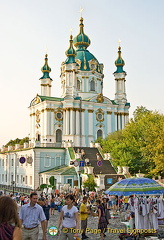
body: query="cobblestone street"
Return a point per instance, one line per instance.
(115, 223)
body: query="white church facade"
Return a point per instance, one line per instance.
(58, 126)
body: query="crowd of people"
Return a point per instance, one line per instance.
(74, 208)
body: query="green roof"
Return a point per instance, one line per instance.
(71, 152)
(43, 98)
(85, 56)
(61, 170)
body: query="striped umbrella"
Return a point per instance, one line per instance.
(137, 186)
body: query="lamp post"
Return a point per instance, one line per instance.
(79, 177)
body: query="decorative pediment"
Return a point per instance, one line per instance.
(93, 64)
(35, 101)
(100, 98)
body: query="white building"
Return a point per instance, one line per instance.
(59, 125)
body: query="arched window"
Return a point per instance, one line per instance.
(58, 135)
(99, 133)
(78, 85)
(38, 137)
(92, 85)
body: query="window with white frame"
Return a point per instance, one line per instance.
(2, 177)
(41, 180)
(12, 177)
(18, 179)
(47, 161)
(102, 181)
(6, 177)
(92, 85)
(46, 180)
(78, 85)
(58, 161)
(69, 181)
(30, 180)
(12, 162)
(2, 162)
(26, 180)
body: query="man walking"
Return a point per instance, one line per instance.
(30, 215)
(84, 216)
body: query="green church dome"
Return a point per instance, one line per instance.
(70, 53)
(119, 62)
(86, 60)
(46, 69)
(81, 41)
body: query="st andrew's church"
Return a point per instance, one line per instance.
(61, 129)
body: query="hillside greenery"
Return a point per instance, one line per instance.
(140, 145)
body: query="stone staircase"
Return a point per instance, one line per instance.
(106, 168)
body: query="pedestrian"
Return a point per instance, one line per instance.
(30, 215)
(69, 220)
(83, 217)
(10, 227)
(106, 209)
(52, 205)
(126, 203)
(98, 157)
(46, 208)
(102, 223)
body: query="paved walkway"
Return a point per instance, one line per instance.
(92, 224)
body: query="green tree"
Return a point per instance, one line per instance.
(90, 183)
(17, 141)
(140, 144)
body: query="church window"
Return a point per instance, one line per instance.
(2, 177)
(78, 85)
(18, 179)
(59, 115)
(38, 137)
(92, 66)
(99, 116)
(58, 136)
(69, 181)
(46, 180)
(47, 161)
(30, 180)
(92, 85)
(12, 162)
(99, 133)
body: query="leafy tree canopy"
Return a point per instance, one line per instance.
(17, 141)
(90, 183)
(140, 144)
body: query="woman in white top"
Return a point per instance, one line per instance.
(69, 219)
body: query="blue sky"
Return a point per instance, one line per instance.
(29, 27)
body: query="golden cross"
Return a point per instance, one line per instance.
(119, 41)
(81, 10)
(71, 30)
